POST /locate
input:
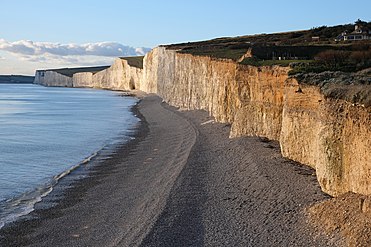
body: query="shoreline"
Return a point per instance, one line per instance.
(68, 192)
(180, 181)
(20, 207)
(73, 177)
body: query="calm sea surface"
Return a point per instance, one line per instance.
(45, 132)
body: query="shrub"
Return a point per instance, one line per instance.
(332, 58)
(361, 58)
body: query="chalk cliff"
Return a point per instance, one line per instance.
(192, 82)
(119, 76)
(64, 77)
(52, 78)
(330, 135)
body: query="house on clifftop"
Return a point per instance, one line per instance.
(359, 33)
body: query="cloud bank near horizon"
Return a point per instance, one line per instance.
(25, 56)
(104, 49)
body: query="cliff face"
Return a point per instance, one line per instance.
(332, 136)
(83, 79)
(250, 98)
(345, 147)
(120, 76)
(192, 82)
(261, 95)
(51, 78)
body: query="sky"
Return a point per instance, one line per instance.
(37, 34)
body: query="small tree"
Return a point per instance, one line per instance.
(360, 22)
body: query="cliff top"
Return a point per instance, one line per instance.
(352, 87)
(317, 44)
(320, 56)
(71, 71)
(315, 36)
(136, 61)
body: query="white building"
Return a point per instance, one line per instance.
(358, 34)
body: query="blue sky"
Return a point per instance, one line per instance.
(130, 24)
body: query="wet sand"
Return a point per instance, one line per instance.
(181, 182)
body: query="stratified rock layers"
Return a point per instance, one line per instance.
(332, 136)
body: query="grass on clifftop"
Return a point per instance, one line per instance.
(326, 36)
(220, 52)
(71, 71)
(134, 61)
(315, 50)
(283, 63)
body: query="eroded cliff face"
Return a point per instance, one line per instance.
(260, 113)
(250, 98)
(120, 76)
(345, 147)
(332, 136)
(193, 82)
(51, 78)
(83, 79)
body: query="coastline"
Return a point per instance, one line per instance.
(180, 181)
(46, 166)
(69, 191)
(69, 184)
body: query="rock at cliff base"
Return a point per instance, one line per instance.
(349, 215)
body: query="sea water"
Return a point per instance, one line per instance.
(47, 131)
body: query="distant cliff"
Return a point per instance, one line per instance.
(124, 74)
(120, 75)
(62, 77)
(329, 133)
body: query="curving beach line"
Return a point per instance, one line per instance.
(181, 182)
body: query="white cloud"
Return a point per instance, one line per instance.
(25, 56)
(104, 49)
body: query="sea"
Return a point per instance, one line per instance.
(46, 132)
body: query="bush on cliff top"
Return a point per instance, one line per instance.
(352, 87)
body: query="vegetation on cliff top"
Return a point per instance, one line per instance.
(313, 50)
(316, 56)
(351, 87)
(71, 71)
